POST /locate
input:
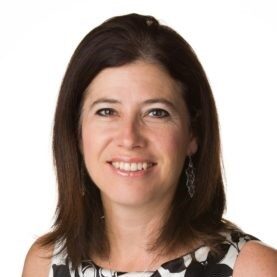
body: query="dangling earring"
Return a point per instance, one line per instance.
(190, 174)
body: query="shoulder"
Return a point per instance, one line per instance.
(38, 261)
(256, 259)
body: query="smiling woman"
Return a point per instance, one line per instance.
(137, 153)
(134, 135)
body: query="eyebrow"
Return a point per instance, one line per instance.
(146, 102)
(104, 100)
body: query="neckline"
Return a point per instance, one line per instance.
(164, 264)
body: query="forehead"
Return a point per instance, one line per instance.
(138, 79)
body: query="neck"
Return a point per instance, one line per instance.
(131, 232)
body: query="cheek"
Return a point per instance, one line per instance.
(90, 142)
(173, 148)
(94, 141)
(172, 142)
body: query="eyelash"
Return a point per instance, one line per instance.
(111, 112)
(100, 112)
(164, 112)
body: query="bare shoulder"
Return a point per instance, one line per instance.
(37, 261)
(256, 259)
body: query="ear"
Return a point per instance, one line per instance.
(192, 146)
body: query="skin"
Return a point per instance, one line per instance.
(135, 130)
(255, 259)
(119, 122)
(135, 113)
(37, 261)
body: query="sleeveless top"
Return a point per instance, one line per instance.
(198, 263)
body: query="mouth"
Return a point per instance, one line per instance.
(131, 167)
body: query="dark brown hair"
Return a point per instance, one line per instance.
(118, 41)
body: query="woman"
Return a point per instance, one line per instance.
(137, 152)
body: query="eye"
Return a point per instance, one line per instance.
(105, 112)
(160, 113)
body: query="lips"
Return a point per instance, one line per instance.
(133, 165)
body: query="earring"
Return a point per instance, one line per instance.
(190, 174)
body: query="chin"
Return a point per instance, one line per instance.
(128, 199)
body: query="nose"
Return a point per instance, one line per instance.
(130, 134)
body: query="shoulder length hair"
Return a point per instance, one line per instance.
(118, 41)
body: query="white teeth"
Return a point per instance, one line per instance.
(131, 166)
(134, 167)
(116, 164)
(139, 166)
(126, 166)
(144, 166)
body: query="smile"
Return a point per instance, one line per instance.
(131, 167)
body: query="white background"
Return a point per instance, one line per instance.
(236, 43)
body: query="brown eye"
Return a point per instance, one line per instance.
(159, 113)
(105, 112)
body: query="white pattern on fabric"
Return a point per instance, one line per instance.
(200, 263)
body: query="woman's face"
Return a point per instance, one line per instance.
(135, 134)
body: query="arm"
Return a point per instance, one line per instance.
(37, 262)
(256, 259)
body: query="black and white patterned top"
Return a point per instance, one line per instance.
(199, 263)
